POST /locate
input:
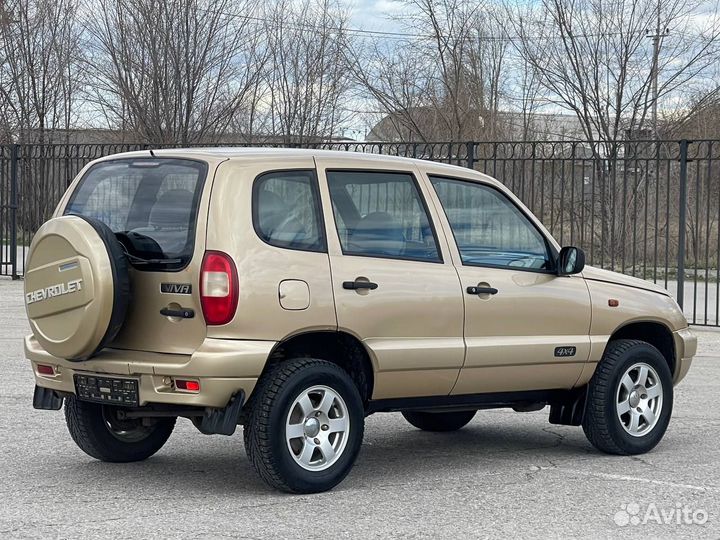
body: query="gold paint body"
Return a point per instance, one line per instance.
(423, 334)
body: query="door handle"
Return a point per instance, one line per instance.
(182, 313)
(482, 290)
(358, 284)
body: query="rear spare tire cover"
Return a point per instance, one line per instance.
(77, 286)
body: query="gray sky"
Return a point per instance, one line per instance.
(373, 14)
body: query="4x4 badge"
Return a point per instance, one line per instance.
(176, 288)
(565, 351)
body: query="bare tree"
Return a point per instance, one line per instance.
(444, 84)
(40, 73)
(6, 123)
(174, 71)
(594, 57)
(699, 119)
(307, 83)
(523, 120)
(390, 78)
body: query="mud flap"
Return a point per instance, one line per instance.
(222, 421)
(46, 399)
(570, 411)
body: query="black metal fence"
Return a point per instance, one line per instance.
(645, 208)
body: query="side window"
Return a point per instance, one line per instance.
(489, 229)
(286, 210)
(381, 214)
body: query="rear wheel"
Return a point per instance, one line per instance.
(630, 399)
(305, 426)
(100, 433)
(439, 421)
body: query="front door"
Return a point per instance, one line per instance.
(525, 327)
(394, 284)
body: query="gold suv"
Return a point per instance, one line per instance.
(295, 292)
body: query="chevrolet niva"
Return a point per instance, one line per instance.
(295, 292)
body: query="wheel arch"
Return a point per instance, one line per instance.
(655, 333)
(338, 347)
(571, 411)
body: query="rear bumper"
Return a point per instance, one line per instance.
(223, 368)
(685, 349)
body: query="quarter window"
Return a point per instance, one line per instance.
(489, 229)
(286, 210)
(381, 214)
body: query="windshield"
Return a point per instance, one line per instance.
(150, 204)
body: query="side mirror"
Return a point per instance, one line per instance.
(571, 260)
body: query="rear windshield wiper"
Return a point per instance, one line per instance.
(134, 259)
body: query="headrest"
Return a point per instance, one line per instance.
(172, 209)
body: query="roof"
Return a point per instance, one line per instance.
(233, 152)
(253, 151)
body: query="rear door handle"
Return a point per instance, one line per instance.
(482, 290)
(182, 313)
(359, 284)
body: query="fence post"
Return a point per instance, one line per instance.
(470, 155)
(682, 221)
(13, 210)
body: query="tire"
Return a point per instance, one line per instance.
(120, 270)
(613, 421)
(299, 464)
(439, 421)
(97, 431)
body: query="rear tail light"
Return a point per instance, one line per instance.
(218, 288)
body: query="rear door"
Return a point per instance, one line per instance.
(394, 284)
(525, 327)
(153, 206)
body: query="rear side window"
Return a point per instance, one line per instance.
(381, 214)
(150, 204)
(286, 210)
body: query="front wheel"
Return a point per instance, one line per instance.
(439, 421)
(305, 426)
(630, 399)
(99, 432)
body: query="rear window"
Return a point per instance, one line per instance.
(150, 204)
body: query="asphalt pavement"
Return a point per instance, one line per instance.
(505, 475)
